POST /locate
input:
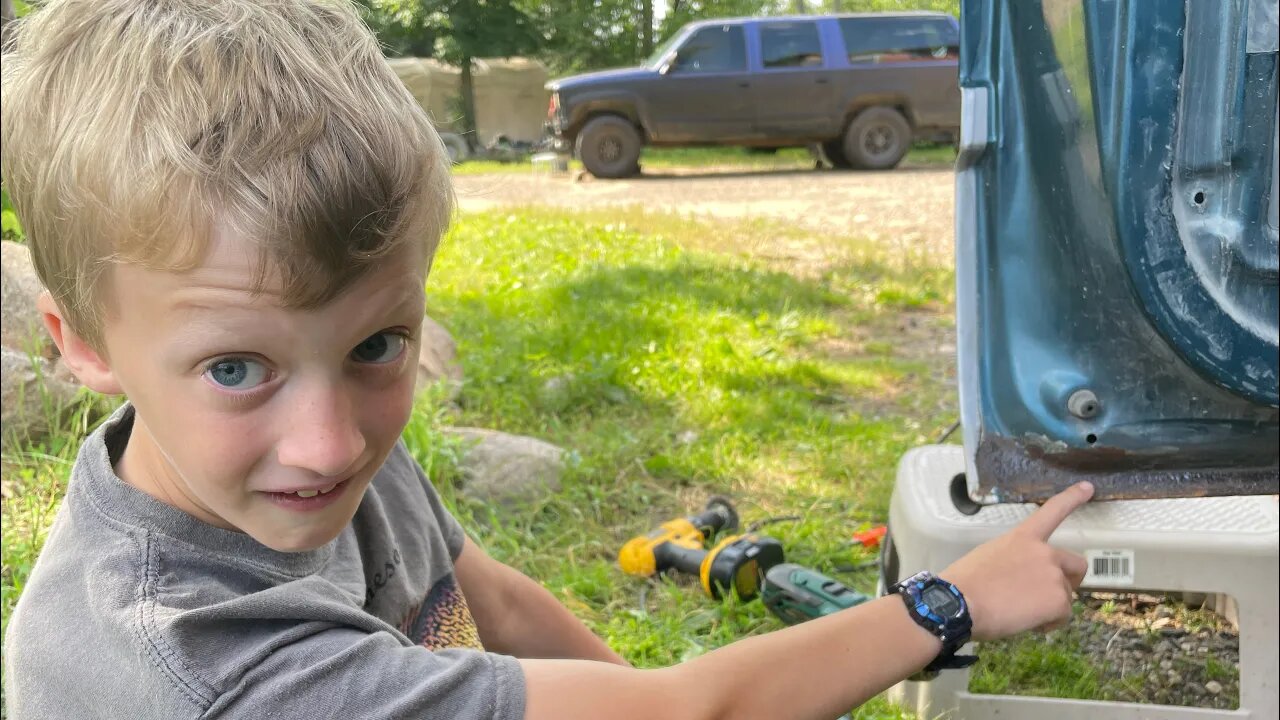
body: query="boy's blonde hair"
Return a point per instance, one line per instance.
(131, 127)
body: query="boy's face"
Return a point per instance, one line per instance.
(242, 403)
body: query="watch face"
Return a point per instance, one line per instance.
(940, 600)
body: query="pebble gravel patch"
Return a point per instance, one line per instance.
(1142, 648)
(912, 204)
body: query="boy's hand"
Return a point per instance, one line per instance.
(1018, 582)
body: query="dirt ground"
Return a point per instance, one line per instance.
(907, 204)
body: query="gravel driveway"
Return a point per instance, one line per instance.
(907, 204)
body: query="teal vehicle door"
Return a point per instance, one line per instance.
(1116, 223)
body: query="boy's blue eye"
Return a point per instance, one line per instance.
(379, 348)
(236, 373)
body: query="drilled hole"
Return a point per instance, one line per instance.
(1198, 198)
(1091, 438)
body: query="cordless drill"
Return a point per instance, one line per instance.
(735, 564)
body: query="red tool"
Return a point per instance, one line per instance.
(870, 538)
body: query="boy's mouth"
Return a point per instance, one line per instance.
(308, 499)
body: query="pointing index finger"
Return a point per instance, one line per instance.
(1044, 521)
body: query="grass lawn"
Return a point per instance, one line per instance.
(673, 366)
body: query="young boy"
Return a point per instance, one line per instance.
(233, 206)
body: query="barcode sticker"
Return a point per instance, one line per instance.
(1109, 568)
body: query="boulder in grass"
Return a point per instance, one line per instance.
(32, 394)
(502, 468)
(438, 358)
(20, 326)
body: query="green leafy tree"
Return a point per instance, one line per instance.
(580, 35)
(951, 7)
(470, 29)
(680, 12)
(401, 26)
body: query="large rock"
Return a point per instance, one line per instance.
(32, 393)
(438, 358)
(506, 468)
(20, 326)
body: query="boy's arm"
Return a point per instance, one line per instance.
(816, 670)
(517, 616)
(819, 669)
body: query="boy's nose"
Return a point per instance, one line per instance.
(322, 434)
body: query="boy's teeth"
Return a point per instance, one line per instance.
(313, 493)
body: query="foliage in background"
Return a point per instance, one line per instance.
(581, 35)
(456, 32)
(572, 36)
(951, 7)
(401, 26)
(11, 228)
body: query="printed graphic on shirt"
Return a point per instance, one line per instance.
(443, 619)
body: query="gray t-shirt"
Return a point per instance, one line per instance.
(137, 610)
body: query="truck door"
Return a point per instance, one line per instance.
(703, 93)
(1116, 248)
(792, 91)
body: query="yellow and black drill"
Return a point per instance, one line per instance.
(736, 562)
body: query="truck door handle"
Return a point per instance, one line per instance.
(821, 81)
(744, 84)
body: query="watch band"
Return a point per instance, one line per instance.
(950, 622)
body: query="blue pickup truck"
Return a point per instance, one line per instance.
(862, 86)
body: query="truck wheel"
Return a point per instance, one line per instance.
(834, 150)
(609, 147)
(877, 139)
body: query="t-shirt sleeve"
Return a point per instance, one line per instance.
(343, 673)
(450, 528)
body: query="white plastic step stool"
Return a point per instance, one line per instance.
(1227, 545)
(549, 163)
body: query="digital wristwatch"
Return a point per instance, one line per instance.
(937, 606)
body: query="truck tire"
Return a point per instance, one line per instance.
(877, 139)
(609, 147)
(834, 150)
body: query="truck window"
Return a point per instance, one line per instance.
(714, 49)
(790, 44)
(889, 40)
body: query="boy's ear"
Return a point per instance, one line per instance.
(87, 364)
